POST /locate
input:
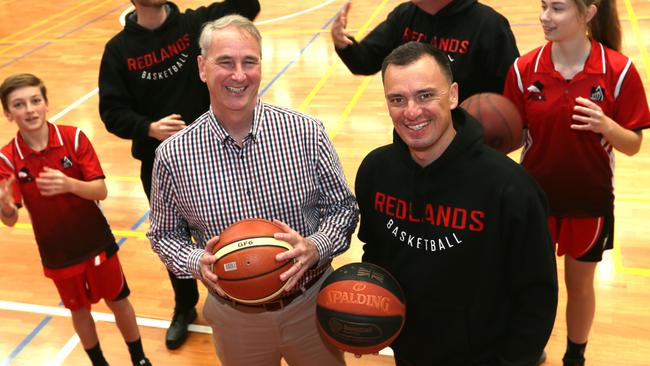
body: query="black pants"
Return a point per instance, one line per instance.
(186, 291)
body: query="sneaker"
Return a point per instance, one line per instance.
(177, 331)
(568, 361)
(143, 362)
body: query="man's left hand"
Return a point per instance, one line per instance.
(304, 253)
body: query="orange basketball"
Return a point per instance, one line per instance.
(360, 308)
(246, 265)
(502, 124)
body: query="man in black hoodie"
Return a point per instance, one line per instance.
(149, 89)
(461, 226)
(478, 41)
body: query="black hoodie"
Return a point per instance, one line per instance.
(467, 239)
(477, 39)
(149, 74)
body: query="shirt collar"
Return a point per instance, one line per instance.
(595, 63)
(222, 134)
(54, 140)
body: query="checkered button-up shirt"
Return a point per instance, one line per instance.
(286, 169)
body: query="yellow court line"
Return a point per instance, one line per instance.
(348, 108)
(330, 70)
(634, 22)
(44, 21)
(77, 15)
(119, 233)
(617, 255)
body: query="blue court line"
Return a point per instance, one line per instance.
(144, 217)
(16, 59)
(298, 56)
(26, 341)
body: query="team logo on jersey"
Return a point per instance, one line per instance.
(24, 176)
(597, 93)
(536, 91)
(66, 162)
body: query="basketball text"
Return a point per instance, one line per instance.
(375, 301)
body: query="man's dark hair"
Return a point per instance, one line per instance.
(411, 52)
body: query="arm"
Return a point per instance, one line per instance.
(530, 273)
(622, 129)
(372, 249)
(366, 57)
(168, 231)
(51, 182)
(116, 101)
(336, 209)
(590, 117)
(337, 206)
(8, 210)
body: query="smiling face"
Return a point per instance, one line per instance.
(420, 99)
(232, 70)
(561, 20)
(27, 107)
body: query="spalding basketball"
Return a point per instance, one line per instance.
(246, 265)
(360, 308)
(502, 124)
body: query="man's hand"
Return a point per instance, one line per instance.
(340, 36)
(208, 277)
(304, 253)
(165, 127)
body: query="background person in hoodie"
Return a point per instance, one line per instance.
(581, 99)
(149, 89)
(461, 226)
(477, 40)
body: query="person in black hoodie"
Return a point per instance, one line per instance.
(460, 226)
(477, 39)
(149, 89)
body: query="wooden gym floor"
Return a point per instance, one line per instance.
(62, 42)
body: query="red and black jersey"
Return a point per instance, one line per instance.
(575, 168)
(68, 229)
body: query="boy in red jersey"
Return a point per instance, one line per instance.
(581, 100)
(54, 170)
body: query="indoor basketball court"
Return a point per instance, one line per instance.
(62, 43)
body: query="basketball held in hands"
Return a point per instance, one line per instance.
(246, 266)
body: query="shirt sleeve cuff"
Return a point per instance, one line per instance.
(193, 262)
(323, 246)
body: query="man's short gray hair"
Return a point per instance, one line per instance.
(235, 20)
